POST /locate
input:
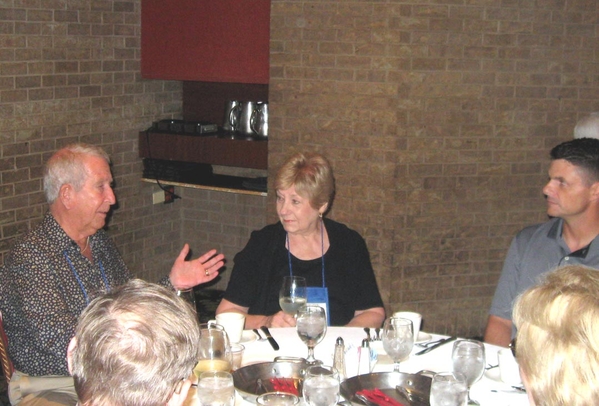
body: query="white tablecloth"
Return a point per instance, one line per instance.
(489, 391)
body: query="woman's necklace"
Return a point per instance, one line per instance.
(86, 245)
(321, 252)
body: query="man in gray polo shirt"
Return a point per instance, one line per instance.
(571, 236)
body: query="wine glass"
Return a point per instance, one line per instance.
(311, 325)
(468, 358)
(214, 352)
(293, 294)
(321, 386)
(398, 339)
(188, 295)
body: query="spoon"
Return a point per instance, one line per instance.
(365, 401)
(408, 394)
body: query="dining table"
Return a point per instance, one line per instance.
(488, 391)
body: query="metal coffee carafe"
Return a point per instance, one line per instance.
(245, 117)
(259, 120)
(232, 112)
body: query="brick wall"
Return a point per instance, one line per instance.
(437, 116)
(69, 71)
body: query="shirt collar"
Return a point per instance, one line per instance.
(555, 232)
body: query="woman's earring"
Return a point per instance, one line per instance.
(320, 215)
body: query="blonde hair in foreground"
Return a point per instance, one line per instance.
(134, 346)
(558, 337)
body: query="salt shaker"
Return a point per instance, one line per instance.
(339, 358)
(364, 360)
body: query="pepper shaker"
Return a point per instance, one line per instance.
(339, 358)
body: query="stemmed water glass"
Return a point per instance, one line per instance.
(311, 325)
(398, 339)
(468, 358)
(293, 294)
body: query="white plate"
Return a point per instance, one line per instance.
(423, 337)
(248, 336)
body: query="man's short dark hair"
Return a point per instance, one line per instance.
(581, 152)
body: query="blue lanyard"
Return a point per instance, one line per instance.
(66, 255)
(321, 247)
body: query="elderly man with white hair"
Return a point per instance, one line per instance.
(588, 126)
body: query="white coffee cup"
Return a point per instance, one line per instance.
(233, 324)
(509, 371)
(416, 320)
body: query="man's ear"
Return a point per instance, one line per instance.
(65, 195)
(595, 190)
(70, 349)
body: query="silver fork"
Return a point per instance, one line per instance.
(260, 338)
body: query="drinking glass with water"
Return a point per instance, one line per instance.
(215, 388)
(321, 386)
(468, 358)
(311, 325)
(449, 389)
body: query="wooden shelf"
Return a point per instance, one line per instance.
(218, 149)
(208, 187)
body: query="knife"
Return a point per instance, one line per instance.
(271, 340)
(432, 347)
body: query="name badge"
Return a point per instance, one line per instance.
(320, 297)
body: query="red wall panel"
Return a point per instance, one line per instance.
(205, 40)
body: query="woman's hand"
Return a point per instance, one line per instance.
(281, 319)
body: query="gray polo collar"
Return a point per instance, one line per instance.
(555, 232)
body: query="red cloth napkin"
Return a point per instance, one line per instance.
(377, 396)
(286, 385)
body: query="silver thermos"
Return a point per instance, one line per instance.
(245, 117)
(232, 112)
(259, 120)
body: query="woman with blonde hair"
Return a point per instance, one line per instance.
(328, 254)
(557, 345)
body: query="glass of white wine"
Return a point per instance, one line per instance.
(214, 346)
(293, 294)
(311, 325)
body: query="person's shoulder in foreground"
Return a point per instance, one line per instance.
(135, 346)
(557, 344)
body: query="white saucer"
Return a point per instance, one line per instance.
(423, 337)
(495, 375)
(248, 336)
